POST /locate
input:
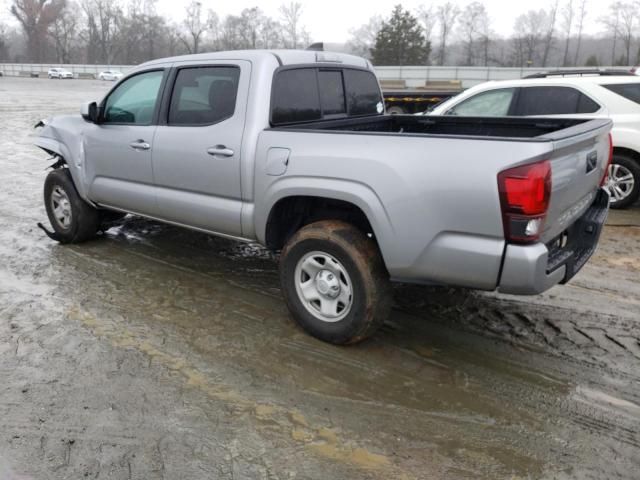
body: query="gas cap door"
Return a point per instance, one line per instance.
(277, 161)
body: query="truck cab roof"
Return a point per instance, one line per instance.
(282, 57)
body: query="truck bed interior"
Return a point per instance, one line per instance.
(511, 127)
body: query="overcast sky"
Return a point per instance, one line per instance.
(331, 20)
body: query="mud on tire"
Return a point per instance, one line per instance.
(72, 219)
(328, 255)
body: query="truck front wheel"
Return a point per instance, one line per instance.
(72, 219)
(334, 282)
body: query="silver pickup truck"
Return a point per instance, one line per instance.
(293, 150)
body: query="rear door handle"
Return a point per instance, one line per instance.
(140, 145)
(221, 150)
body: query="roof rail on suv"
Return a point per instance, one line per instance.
(564, 73)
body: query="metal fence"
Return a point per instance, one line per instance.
(469, 76)
(31, 69)
(413, 76)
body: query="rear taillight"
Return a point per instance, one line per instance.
(525, 193)
(605, 177)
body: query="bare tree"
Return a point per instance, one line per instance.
(568, 13)
(363, 38)
(552, 16)
(250, 22)
(582, 13)
(627, 26)
(612, 23)
(485, 38)
(63, 32)
(446, 15)
(530, 28)
(196, 25)
(427, 17)
(471, 22)
(104, 24)
(270, 33)
(35, 17)
(293, 32)
(4, 44)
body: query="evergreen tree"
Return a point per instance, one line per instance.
(400, 41)
(592, 61)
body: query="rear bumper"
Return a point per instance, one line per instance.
(532, 269)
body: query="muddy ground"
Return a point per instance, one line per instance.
(154, 352)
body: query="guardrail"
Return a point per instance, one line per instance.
(41, 69)
(413, 76)
(469, 76)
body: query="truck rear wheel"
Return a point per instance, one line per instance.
(334, 282)
(72, 219)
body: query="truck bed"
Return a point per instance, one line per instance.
(511, 128)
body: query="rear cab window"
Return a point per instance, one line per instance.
(630, 91)
(303, 94)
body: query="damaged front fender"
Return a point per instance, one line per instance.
(62, 136)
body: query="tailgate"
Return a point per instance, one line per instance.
(578, 163)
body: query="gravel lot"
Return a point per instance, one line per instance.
(154, 352)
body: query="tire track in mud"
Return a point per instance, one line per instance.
(547, 328)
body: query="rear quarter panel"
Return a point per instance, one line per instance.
(432, 201)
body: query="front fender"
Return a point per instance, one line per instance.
(63, 136)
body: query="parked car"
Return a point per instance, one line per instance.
(110, 75)
(59, 73)
(587, 95)
(292, 149)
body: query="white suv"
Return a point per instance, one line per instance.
(110, 75)
(587, 94)
(59, 73)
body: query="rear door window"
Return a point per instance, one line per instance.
(494, 103)
(630, 91)
(553, 101)
(204, 95)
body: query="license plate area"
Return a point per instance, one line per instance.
(573, 247)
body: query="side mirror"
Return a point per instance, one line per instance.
(89, 112)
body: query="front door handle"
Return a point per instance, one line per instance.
(140, 145)
(220, 150)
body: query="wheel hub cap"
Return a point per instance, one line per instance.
(323, 286)
(61, 206)
(328, 284)
(620, 183)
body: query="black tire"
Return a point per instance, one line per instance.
(371, 297)
(396, 110)
(84, 219)
(633, 166)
